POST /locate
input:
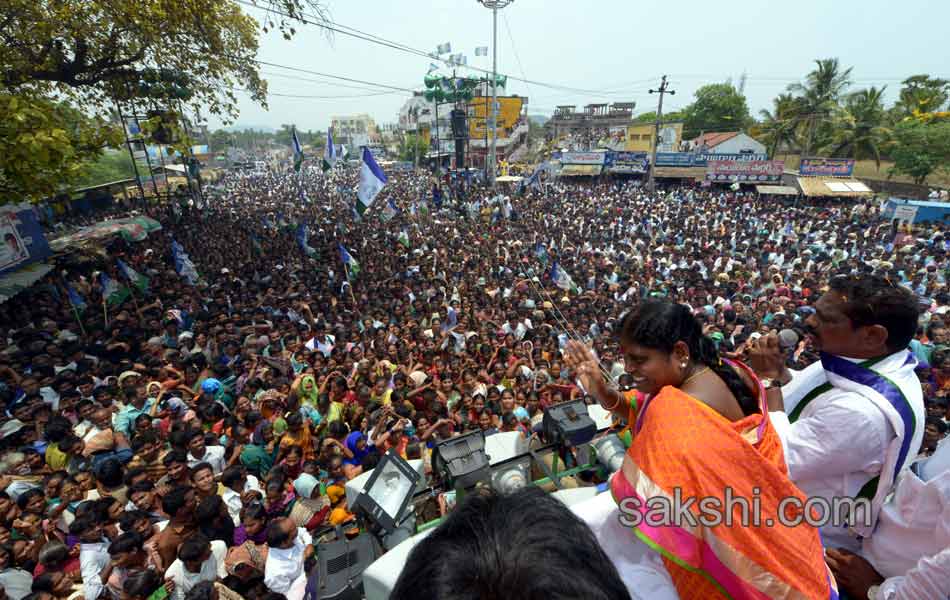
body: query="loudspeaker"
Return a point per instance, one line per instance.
(342, 563)
(459, 124)
(459, 154)
(461, 461)
(568, 423)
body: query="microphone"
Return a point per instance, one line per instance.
(788, 339)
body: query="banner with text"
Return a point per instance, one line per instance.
(582, 158)
(675, 159)
(744, 170)
(827, 167)
(627, 162)
(23, 239)
(701, 159)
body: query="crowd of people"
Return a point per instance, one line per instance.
(192, 434)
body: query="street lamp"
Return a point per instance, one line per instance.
(494, 5)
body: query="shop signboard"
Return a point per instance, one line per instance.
(826, 167)
(582, 158)
(756, 171)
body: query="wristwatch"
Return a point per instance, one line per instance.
(769, 383)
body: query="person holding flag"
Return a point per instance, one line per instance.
(78, 304)
(183, 264)
(112, 293)
(350, 264)
(562, 280)
(389, 211)
(135, 279)
(302, 239)
(329, 153)
(298, 149)
(75, 299)
(372, 181)
(541, 253)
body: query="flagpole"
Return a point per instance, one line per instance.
(75, 312)
(79, 321)
(105, 312)
(132, 293)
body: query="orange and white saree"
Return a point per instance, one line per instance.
(683, 447)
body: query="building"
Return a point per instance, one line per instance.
(729, 142)
(418, 115)
(640, 137)
(355, 131)
(597, 126)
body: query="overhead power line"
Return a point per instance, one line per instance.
(340, 77)
(375, 39)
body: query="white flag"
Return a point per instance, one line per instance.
(372, 181)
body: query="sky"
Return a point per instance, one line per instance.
(604, 50)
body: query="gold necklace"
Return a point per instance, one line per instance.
(693, 376)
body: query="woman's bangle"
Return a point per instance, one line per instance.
(616, 402)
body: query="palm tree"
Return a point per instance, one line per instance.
(858, 127)
(819, 97)
(778, 126)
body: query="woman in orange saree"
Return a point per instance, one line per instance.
(703, 435)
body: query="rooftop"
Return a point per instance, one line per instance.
(711, 140)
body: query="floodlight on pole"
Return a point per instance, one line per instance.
(495, 6)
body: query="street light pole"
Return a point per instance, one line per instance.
(494, 5)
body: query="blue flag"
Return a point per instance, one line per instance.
(75, 299)
(353, 267)
(541, 252)
(302, 237)
(183, 265)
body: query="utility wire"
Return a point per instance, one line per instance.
(372, 38)
(514, 50)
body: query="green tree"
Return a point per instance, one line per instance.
(220, 139)
(778, 126)
(143, 54)
(717, 107)
(650, 117)
(921, 94)
(412, 146)
(113, 165)
(859, 127)
(818, 98)
(44, 144)
(921, 149)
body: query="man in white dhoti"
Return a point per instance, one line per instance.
(852, 421)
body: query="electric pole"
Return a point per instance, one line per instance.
(664, 89)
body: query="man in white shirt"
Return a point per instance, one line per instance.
(237, 483)
(93, 555)
(852, 421)
(199, 453)
(198, 560)
(289, 547)
(908, 557)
